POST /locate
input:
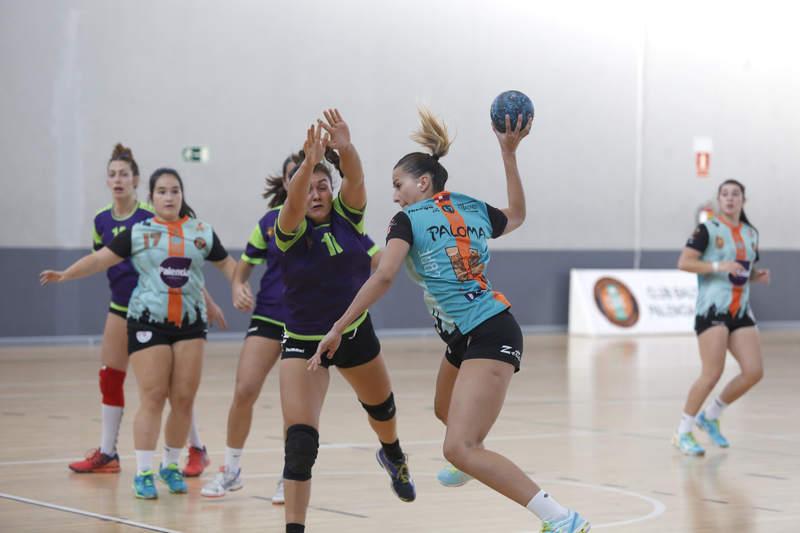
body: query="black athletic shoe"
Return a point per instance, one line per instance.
(402, 484)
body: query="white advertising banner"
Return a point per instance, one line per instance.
(631, 302)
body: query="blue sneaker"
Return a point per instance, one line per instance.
(687, 444)
(450, 476)
(402, 484)
(712, 428)
(144, 486)
(573, 523)
(173, 477)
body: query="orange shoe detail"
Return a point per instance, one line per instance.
(96, 462)
(197, 462)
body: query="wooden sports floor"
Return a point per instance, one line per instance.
(589, 419)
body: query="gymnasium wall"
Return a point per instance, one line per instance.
(246, 77)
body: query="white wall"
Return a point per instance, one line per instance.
(246, 77)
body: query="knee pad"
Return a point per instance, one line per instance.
(302, 444)
(111, 386)
(382, 412)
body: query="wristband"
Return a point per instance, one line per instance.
(715, 266)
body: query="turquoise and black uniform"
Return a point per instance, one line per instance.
(167, 304)
(323, 267)
(449, 235)
(269, 317)
(122, 277)
(722, 298)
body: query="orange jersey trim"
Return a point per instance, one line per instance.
(741, 255)
(176, 249)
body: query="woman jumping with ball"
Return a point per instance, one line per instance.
(484, 341)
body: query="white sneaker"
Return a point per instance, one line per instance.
(223, 482)
(278, 498)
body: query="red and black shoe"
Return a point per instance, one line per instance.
(197, 462)
(96, 462)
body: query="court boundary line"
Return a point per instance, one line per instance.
(81, 512)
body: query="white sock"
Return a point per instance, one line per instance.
(714, 409)
(194, 435)
(112, 417)
(144, 460)
(686, 424)
(232, 458)
(171, 456)
(547, 508)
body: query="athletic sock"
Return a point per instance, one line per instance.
(393, 451)
(233, 456)
(295, 528)
(171, 456)
(686, 424)
(194, 435)
(547, 508)
(144, 461)
(715, 408)
(112, 417)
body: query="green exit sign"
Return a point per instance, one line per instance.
(195, 154)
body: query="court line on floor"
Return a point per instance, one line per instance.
(332, 446)
(104, 518)
(658, 506)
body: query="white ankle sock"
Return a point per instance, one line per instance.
(112, 417)
(686, 424)
(232, 458)
(171, 456)
(714, 408)
(547, 508)
(194, 435)
(144, 460)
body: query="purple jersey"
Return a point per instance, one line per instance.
(122, 278)
(323, 268)
(262, 249)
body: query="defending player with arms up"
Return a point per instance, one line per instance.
(324, 260)
(166, 319)
(442, 237)
(122, 178)
(262, 345)
(722, 252)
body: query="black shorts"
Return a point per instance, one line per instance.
(712, 318)
(119, 312)
(141, 336)
(358, 347)
(499, 338)
(262, 328)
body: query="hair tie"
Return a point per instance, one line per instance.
(435, 157)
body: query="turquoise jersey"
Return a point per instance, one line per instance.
(169, 258)
(449, 254)
(721, 293)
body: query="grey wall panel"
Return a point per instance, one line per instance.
(536, 283)
(239, 77)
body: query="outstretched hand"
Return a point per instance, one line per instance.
(51, 276)
(336, 128)
(762, 275)
(314, 146)
(512, 137)
(328, 345)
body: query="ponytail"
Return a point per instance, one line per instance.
(432, 135)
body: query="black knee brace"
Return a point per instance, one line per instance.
(382, 412)
(302, 444)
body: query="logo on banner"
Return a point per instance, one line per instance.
(174, 271)
(616, 301)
